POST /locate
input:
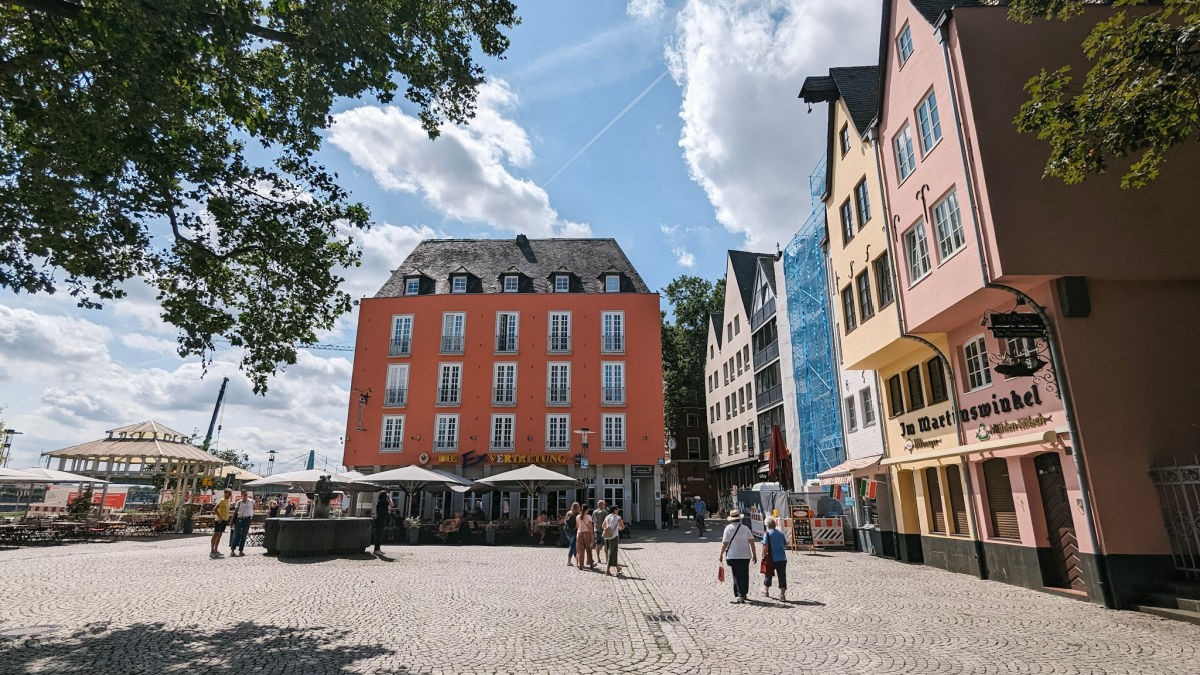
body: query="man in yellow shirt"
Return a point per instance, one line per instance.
(220, 524)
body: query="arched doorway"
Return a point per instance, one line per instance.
(1062, 568)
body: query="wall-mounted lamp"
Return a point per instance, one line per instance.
(473, 437)
(529, 438)
(645, 438)
(416, 437)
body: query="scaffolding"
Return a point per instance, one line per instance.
(813, 366)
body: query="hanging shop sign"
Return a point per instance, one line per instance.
(1016, 325)
(514, 458)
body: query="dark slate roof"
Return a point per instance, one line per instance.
(932, 9)
(718, 319)
(744, 264)
(768, 268)
(858, 86)
(534, 259)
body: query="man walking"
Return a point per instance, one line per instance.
(243, 513)
(221, 522)
(383, 510)
(701, 509)
(598, 517)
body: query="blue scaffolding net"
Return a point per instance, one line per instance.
(813, 364)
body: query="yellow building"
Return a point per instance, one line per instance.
(913, 375)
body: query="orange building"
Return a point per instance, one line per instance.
(478, 356)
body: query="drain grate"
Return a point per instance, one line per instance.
(663, 617)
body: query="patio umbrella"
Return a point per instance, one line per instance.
(14, 476)
(531, 479)
(414, 479)
(306, 481)
(780, 465)
(56, 476)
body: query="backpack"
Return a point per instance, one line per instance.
(570, 524)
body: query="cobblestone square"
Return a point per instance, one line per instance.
(164, 606)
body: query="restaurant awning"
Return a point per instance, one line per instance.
(843, 471)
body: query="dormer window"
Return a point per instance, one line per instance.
(412, 286)
(562, 283)
(510, 283)
(612, 283)
(458, 284)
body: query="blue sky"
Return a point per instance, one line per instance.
(673, 127)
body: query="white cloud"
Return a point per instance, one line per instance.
(464, 174)
(746, 139)
(646, 10)
(684, 257)
(148, 343)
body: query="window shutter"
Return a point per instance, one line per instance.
(1001, 510)
(933, 488)
(958, 504)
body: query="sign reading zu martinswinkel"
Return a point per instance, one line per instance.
(1016, 325)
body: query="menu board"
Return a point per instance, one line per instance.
(801, 526)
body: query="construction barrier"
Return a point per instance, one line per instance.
(828, 532)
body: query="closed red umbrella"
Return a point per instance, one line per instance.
(779, 466)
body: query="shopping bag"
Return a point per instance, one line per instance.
(720, 573)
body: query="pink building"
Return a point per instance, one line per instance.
(987, 251)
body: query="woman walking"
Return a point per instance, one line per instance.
(383, 508)
(737, 549)
(569, 529)
(613, 524)
(774, 547)
(583, 539)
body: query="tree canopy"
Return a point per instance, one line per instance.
(174, 140)
(685, 342)
(1140, 99)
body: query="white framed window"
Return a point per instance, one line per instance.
(916, 250)
(693, 447)
(979, 375)
(613, 382)
(449, 384)
(612, 432)
(851, 414)
(947, 224)
(401, 343)
(929, 123)
(906, 161)
(558, 383)
(612, 283)
(458, 284)
(1020, 349)
(868, 407)
(393, 434)
(560, 332)
(504, 384)
(562, 283)
(558, 432)
(844, 138)
(904, 44)
(737, 325)
(737, 439)
(862, 203)
(507, 331)
(454, 326)
(612, 326)
(739, 362)
(412, 286)
(396, 388)
(511, 283)
(502, 432)
(445, 432)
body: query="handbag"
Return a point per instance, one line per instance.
(767, 565)
(720, 573)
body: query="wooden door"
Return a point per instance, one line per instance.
(1064, 569)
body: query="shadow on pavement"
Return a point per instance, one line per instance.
(312, 559)
(153, 647)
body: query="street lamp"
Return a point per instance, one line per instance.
(584, 432)
(270, 461)
(6, 445)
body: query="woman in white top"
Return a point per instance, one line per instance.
(613, 524)
(737, 548)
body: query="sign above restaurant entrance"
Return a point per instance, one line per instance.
(515, 458)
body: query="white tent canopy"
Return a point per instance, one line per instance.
(56, 476)
(532, 479)
(14, 476)
(306, 481)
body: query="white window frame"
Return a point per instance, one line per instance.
(512, 283)
(565, 369)
(978, 372)
(904, 45)
(563, 338)
(444, 377)
(458, 283)
(929, 122)
(906, 158)
(868, 407)
(511, 322)
(693, 447)
(562, 283)
(558, 438)
(391, 437)
(947, 226)
(612, 283)
(401, 342)
(396, 386)
(916, 253)
(504, 435)
(445, 432)
(612, 432)
(617, 320)
(454, 324)
(612, 383)
(850, 411)
(504, 373)
(412, 286)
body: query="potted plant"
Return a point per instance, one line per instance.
(414, 529)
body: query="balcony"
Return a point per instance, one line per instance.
(612, 343)
(502, 445)
(400, 347)
(770, 397)
(504, 395)
(446, 444)
(760, 317)
(560, 344)
(391, 446)
(452, 344)
(395, 397)
(558, 396)
(557, 446)
(766, 355)
(506, 344)
(449, 396)
(613, 396)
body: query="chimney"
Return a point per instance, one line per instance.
(522, 240)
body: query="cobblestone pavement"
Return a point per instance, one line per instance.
(164, 607)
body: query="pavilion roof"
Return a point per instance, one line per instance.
(150, 442)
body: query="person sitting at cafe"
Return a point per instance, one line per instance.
(540, 527)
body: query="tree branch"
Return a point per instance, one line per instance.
(71, 10)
